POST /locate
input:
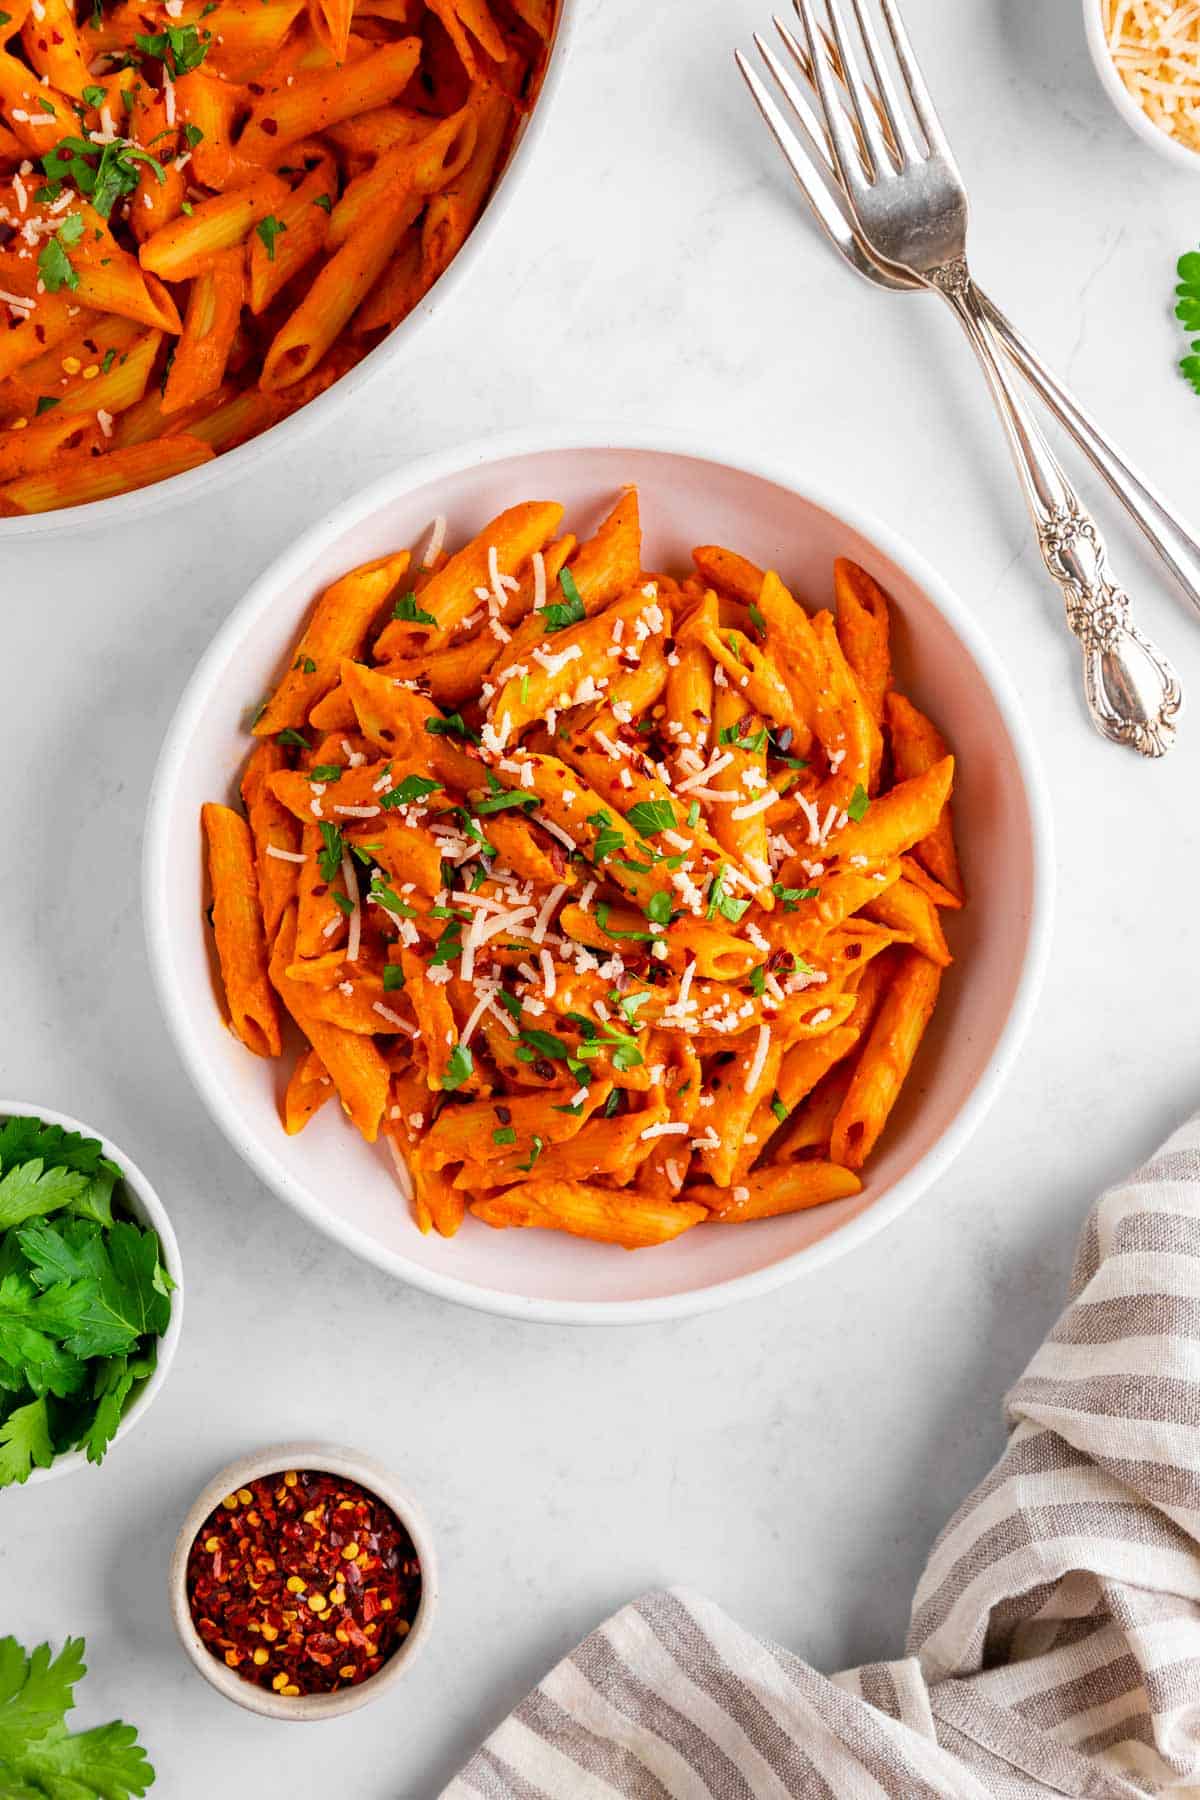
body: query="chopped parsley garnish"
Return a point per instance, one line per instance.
(289, 736)
(608, 838)
(5, 18)
(758, 980)
(504, 1135)
(325, 202)
(46, 403)
(343, 902)
(473, 830)
(629, 1003)
(326, 772)
(693, 815)
(306, 665)
(790, 898)
(459, 1068)
(569, 611)
(510, 1003)
(658, 910)
(393, 977)
(533, 1044)
(859, 803)
(535, 1152)
(390, 900)
(604, 913)
(104, 173)
(500, 798)
(333, 848)
(779, 1109)
(193, 135)
(54, 265)
(453, 725)
(110, 356)
(406, 608)
(612, 1103)
(757, 620)
(93, 96)
(721, 901)
(732, 735)
(180, 47)
(413, 787)
(649, 817)
(448, 946)
(267, 230)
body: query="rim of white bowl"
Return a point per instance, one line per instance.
(280, 439)
(147, 1206)
(1134, 116)
(332, 1459)
(609, 437)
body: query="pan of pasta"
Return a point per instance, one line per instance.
(586, 878)
(213, 211)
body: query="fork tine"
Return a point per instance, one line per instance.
(894, 113)
(802, 108)
(918, 93)
(811, 167)
(856, 87)
(841, 132)
(800, 58)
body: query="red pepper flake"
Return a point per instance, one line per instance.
(303, 1582)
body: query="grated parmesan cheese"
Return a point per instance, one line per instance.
(1155, 48)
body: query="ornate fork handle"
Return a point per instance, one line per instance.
(1133, 693)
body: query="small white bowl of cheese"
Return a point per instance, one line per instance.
(1147, 55)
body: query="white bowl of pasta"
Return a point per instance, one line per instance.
(613, 893)
(220, 231)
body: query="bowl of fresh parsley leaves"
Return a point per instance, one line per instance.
(91, 1294)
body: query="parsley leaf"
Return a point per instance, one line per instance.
(55, 267)
(267, 230)
(38, 1753)
(104, 173)
(30, 1189)
(326, 773)
(290, 736)
(504, 1135)
(608, 838)
(790, 898)
(571, 611)
(452, 725)
(721, 901)
(393, 977)
(180, 47)
(604, 913)
(536, 1150)
(459, 1068)
(406, 608)
(333, 848)
(859, 803)
(413, 787)
(649, 817)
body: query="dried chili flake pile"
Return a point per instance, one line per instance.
(303, 1582)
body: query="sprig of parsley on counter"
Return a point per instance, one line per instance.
(1187, 311)
(84, 1298)
(38, 1754)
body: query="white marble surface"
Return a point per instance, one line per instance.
(793, 1457)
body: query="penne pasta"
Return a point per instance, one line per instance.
(556, 906)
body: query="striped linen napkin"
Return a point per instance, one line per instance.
(1055, 1638)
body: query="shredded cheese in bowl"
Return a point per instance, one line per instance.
(1155, 48)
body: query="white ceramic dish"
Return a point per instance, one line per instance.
(344, 1186)
(325, 1458)
(249, 460)
(147, 1209)
(1123, 100)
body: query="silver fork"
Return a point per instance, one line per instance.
(806, 151)
(909, 206)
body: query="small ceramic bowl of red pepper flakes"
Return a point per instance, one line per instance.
(303, 1581)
